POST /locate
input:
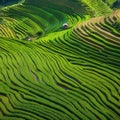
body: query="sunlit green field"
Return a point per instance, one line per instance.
(52, 72)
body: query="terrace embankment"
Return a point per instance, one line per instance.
(62, 74)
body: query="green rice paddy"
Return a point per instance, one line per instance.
(48, 72)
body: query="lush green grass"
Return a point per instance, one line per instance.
(51, 73)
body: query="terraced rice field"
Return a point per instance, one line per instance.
(51, 73)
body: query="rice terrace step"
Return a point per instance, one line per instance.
(59, 60)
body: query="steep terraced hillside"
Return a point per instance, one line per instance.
(38, 18)
(48, 72)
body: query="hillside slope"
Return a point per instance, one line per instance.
(51, 73)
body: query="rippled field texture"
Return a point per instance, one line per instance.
(52, 72)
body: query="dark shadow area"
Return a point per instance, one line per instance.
(116, 4)
(36, 36)
(8, 2)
